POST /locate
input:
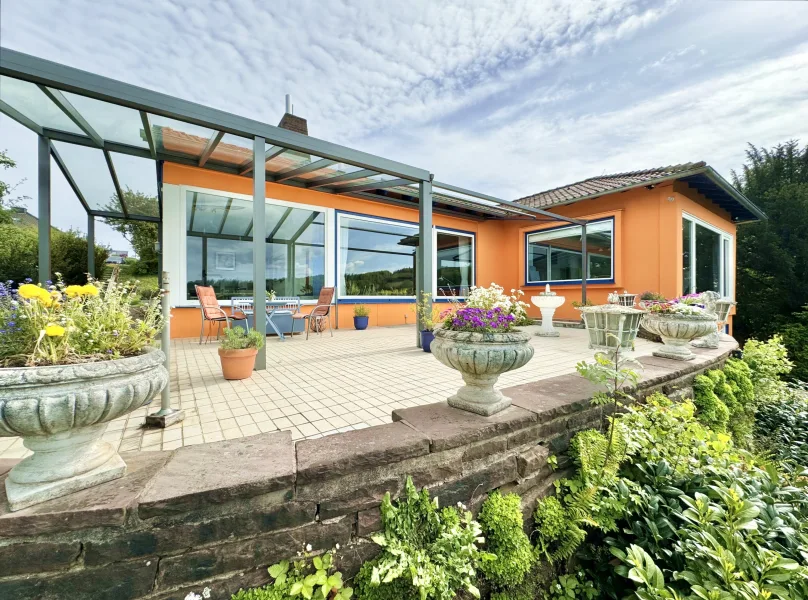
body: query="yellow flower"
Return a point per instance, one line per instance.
(74, 290)
(52, 330)
(89, 290)
(30, 291)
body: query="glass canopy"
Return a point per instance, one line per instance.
(106, 136)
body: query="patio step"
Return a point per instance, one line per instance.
(570, 324)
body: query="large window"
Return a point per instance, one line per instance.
(555, 255)
(377, 259)
(454, 254)
(219, 249)
(706, 258)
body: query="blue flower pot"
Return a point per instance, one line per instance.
(426, 340)
(360, 323)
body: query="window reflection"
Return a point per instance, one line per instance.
(219, 247)
(555, 255)
(455, 264)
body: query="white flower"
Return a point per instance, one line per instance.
(193, 596)
(337, 546)
(308, 547)
(206, 592)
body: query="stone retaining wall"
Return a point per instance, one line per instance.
(215, 515)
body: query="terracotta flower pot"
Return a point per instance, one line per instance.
(238, 364)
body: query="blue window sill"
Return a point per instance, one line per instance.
(570, 282)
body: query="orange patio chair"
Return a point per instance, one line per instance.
(320, 314)
(211, 311)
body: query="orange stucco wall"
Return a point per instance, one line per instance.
(647, 245)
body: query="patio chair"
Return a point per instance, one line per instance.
(320, 314)
(211, 311)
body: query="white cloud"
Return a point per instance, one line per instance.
(507, 97)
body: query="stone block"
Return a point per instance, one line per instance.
(352, 451)
(119, 581)
(360, 498)
(485, 449)
(197, 476)
(368, 521)
(448, 427)
(530, 436)
(553, 397)
(221, 588)
(104, 505)
(190, 536)
(474, 486)
(531, 462)
(260, 551)
(37, 556)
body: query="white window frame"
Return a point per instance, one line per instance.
(726, 280)
(529, 281)
(174, 207)
(435, 231)
(338, 275)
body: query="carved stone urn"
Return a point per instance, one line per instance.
(481, 358)
(61, 412)
(677, 330)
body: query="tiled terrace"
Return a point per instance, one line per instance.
(315, 387)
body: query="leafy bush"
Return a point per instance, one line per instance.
(574, 586)
(711, 410)
(781, 428)
(431, 549)
(310, 580)
(795, 336)
(19, 254)
(768, 362)
(235, 338)
(503, 526)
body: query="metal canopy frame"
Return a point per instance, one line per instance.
(290, 158)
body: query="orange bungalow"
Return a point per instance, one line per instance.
(320, 215)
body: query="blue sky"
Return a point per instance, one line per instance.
(506, 97)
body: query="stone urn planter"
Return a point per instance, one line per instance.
(611, 326)
(547, 302)
(677, 331)
(481, 358)
(61, 412)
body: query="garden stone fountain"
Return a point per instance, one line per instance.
(547, 302)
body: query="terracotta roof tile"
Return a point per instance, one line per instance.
(604, 184)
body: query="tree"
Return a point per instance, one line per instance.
(141, 234)
(772, 287)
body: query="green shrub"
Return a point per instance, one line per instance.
(795, 338)
(503, 528)
(573, 586)
(431, 549)
(781, 428)
(738, 377)
(710, 409)
(235, 338)
(360, 310)
(768, 362)
(558, 535)
(309, 578)
(19, 254)
(397, 589)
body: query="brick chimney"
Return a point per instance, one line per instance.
(292, 122)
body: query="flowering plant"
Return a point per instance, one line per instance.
(61, 324)
(690, 304)
(481, 320)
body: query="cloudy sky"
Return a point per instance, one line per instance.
(505, 97)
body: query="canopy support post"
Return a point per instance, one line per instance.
(44, 213)
(91, 245)
(424, 279)
(584, 264)
(259, 235)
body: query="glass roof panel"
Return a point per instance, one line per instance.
(138, 179)
(239, 217)
(112, 122)
(364, 180)
(332, 171)
(233, 150)
(288, 160)
(32, 102)
(293, 223)
(207, 212)
(89, 170)
(178, 137)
